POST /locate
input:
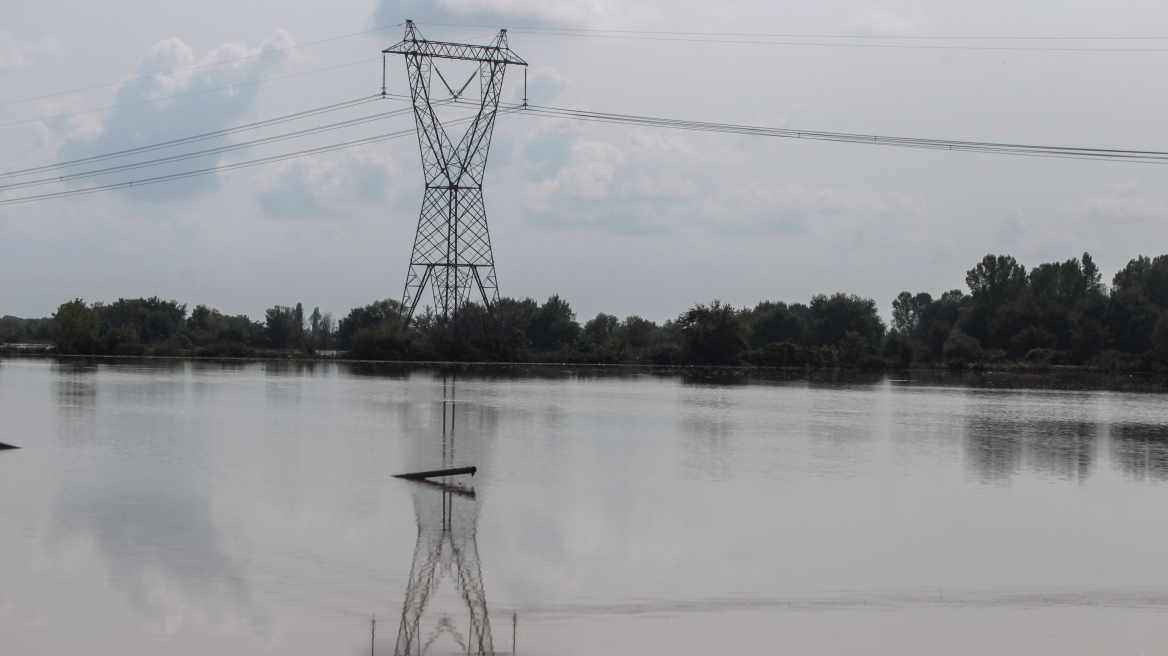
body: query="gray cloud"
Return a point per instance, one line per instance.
(1122, 203)
(484, 12)
(143, 124)
(658, 183)
(311, 187)
(878, 21)
(17, 54)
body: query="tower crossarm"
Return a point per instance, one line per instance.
(498, 54)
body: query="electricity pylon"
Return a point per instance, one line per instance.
(452, 248)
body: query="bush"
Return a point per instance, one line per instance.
(553, 326)
(713, 334)
(385, 342)
(667, 354)
(227, 349)
(786, 354)
(74, 328)
(1040, 355)
(122, 340)
(174, 347)
(778, 354)
(1031, 338)
(963, 348)
(905, 354)
(833, 318)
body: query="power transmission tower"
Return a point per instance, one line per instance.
(452, 248)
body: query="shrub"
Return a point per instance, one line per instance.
(960, 347)
(713, 333)
(384, 342)
(227, 349)
(667, 354)
(122, 340)
(74, 328)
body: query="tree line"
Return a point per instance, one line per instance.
(1054, 313)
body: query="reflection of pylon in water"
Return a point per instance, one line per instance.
(446, 549)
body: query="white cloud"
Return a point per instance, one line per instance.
(312, 187)
(1012, 228)
(877, 21)
(1122, 203)
(500, 12)
(16, 54)
(151, 114)
(664, 182)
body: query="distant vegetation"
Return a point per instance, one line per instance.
(1056, 313)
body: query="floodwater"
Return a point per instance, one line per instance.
(199, 508)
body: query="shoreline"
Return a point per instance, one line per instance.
(1062, 377)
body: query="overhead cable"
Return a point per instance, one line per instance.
(809, 36)
(210, 151)
(192, 93)
(225, 167)
(1140, 156)
(198, 137)
(753, 39)
(894, 46)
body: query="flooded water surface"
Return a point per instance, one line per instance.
(195, 508)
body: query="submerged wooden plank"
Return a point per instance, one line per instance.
(439, 472)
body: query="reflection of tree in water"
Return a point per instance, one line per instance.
(1141, 450)
(1063, 448)
(993, 449)
(996, 448)
(446, 549)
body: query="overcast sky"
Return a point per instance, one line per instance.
(614, 218)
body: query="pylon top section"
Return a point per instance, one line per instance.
(498, 52)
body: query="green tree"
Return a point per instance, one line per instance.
(281, 328)
(601, 328)
(75, 328)
(637, 332)
(772, 322)
(314, 322)
(385, 341)
(999, 304)
(369, 316)
(833, 317)
(910, 314)
(962, 348)
(714, 333)
(554, 325)
(152, 319)
(1139, 293)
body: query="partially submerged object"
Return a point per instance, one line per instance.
(439, 472)
(4, 446)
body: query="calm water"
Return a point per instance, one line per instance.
(195, 508)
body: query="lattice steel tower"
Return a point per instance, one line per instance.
(452, 248)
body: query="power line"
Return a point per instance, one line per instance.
(836, 45)
(1106, 154)
(1096, 154)
(193, 93)
(199, 67)
(206, 171)
(813, 36)
(224, 167)
(209, 151)
(198, 137)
